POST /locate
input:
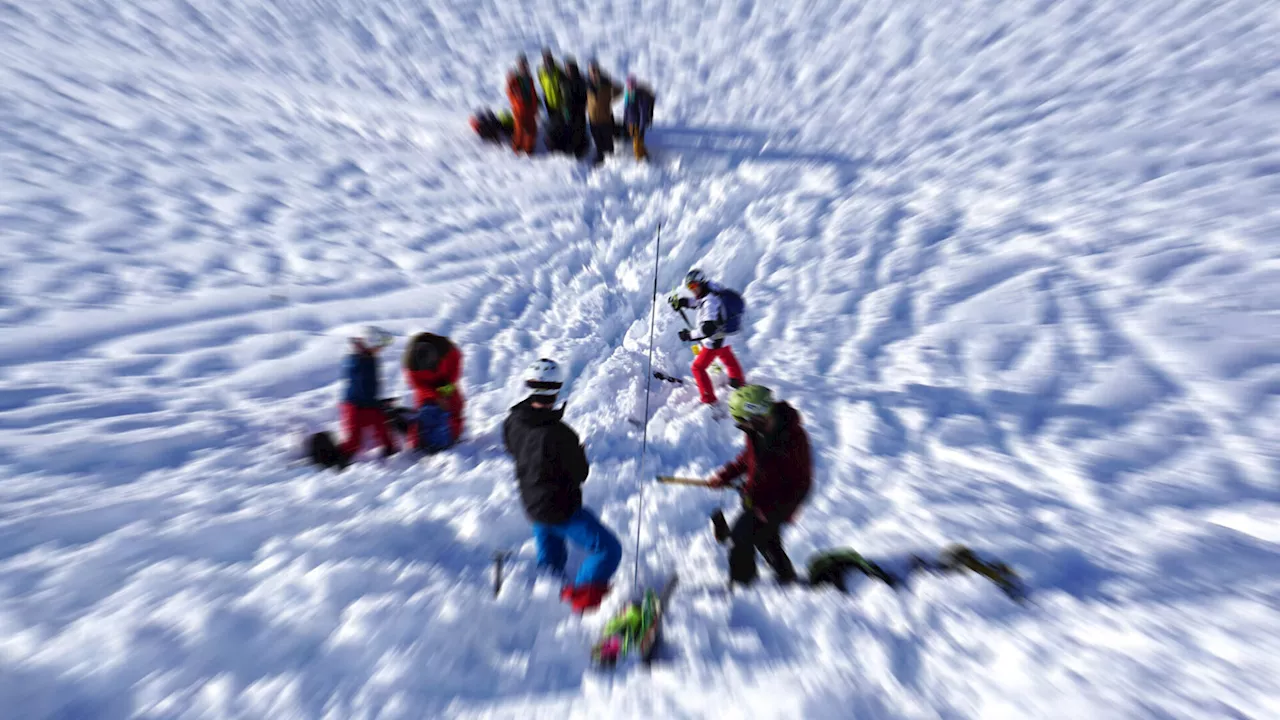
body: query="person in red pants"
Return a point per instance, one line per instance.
(433, 367)
(361, 407)
(719, 315)
(523, 96)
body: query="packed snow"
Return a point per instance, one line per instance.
(1015, 263)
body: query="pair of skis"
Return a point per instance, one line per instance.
(634, 631)
(825, 566)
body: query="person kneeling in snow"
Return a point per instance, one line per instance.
(551, 466)
(777, 465)
(433, 367)
(713, 324)
(492, 127)
(361, 407)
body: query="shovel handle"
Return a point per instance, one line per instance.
(672, 480)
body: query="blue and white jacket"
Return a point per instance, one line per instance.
(710, 321)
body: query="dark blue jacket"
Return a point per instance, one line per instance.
(361, 371)
(638, 107)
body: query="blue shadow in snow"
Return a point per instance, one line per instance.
(744, 144)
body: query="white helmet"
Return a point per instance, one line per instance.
(375, 337)
(544, 377)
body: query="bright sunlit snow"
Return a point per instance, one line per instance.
(1016, 264)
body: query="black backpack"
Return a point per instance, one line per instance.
(487, 126)
(324, 452)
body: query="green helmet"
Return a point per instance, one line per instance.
(750, 401)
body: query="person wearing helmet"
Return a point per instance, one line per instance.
(551, 466)
(710, 325)
(433, 367)
(524, 107)
(361, 408)
(778, 467)
(637, 113)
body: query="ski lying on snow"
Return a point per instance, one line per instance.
(827, 568)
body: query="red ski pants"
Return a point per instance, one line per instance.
(703, 361)
(355, 420)
(525, 135)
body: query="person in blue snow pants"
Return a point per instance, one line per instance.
(584, 529)
(551, 466)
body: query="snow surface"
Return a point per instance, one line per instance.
(1015, 262)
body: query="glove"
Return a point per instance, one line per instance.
(686, 334)
(716, 481)
(678, 301)
(445, 390)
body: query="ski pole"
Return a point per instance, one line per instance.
(499, 556)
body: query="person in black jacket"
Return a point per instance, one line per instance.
(551, 466)
(575, 102)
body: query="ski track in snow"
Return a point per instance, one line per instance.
(1015, 263)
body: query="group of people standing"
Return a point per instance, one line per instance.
(551, 466)
(551, 463)
(577, 109)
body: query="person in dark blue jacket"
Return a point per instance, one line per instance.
(361, 407)
(637, 114)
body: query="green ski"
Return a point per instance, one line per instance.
(635, 629)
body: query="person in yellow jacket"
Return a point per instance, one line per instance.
(551, 78)
(602, 93)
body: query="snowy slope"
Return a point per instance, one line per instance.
(1015, 263)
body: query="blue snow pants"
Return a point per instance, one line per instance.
(604, 552)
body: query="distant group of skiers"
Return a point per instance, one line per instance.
(551, 463)
(578, 109)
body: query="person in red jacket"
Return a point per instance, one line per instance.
(433, 367)
(522, 93)
(778, 467)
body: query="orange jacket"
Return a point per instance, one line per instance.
(523, 97)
